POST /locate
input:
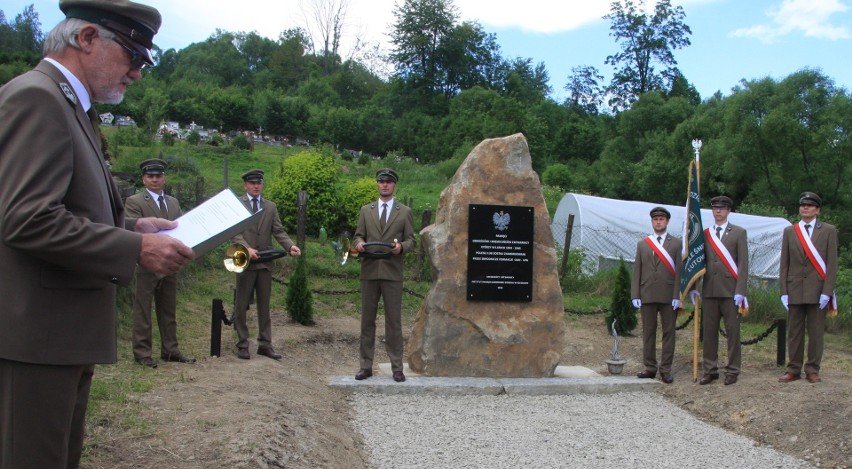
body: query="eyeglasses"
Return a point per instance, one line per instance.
(137, 61)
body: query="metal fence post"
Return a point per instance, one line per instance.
(567, 246)
(782, 342)
(216, 328)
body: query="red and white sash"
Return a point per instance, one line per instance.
(722, 252)
(662, 254)
(816, 261)
(728, 260)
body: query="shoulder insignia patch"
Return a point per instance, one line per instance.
(68, 92)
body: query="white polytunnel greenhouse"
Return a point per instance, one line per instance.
(608, 229)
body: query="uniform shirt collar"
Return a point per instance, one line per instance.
(812, 223)
(76, 84)
(389, 202)
(154, 195)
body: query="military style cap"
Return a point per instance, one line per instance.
(153, 166)
(660, 212)
(721, 201)
(810, 198)
(387, 174)
(253, 175)
(135, 24)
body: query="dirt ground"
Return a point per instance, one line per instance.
(261, 413)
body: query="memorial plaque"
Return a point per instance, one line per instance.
(500, 253)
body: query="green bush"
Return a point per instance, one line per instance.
(557, 175)
(315, 172)
(299, 299)
(194, 138)
(168, 140)
(620, 308)
(355, 195)
(132, 137)
(241, 142)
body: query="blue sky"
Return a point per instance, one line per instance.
(731, 39)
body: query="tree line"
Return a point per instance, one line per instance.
(450, 87)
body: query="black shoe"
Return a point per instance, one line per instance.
(268, 351)
(646, 374)
(398, 376)
(147, 361)
(666, 378)
(730, 379)
(708, 378)
(363, 374)
(243, 353)
(177, 357)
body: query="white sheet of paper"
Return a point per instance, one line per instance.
(215, 216)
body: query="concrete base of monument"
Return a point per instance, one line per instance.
(566, 380)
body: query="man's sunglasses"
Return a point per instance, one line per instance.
(137, 61)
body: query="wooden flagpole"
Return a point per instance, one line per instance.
(696, 321)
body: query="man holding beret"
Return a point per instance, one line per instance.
(656, 289)
(808, 275)
(64, 247)
(723, 289)
(153, 202)
(386, 221)
(258, 275)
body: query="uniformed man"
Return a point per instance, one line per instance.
(388, 221)
(656, 290)
(257, 277)
(808, 275)
(64, 245)
(723, 289)
(153, 202)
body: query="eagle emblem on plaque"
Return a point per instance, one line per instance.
(501, 220)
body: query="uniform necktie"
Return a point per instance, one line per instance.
(808, 228)
(718, 232)
(162, 205)
(383, 220)
(96, 125)
(254, 205)
(660, 240)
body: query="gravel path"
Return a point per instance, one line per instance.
(627, 430)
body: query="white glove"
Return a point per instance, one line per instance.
(637, 303)
(823, 301)
(738, 300)
(676, 305)
(785, 300)
(694, 296)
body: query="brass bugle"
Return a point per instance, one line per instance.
(350, 251)
(237, 257)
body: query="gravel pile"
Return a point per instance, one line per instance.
(627, 430)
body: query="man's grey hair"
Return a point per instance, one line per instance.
(65, 33)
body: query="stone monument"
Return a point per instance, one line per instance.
(460, 332)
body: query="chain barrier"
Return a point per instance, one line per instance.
(686, 323)
(586, 313)
(757, 339)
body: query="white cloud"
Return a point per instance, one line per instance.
(809, 17)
